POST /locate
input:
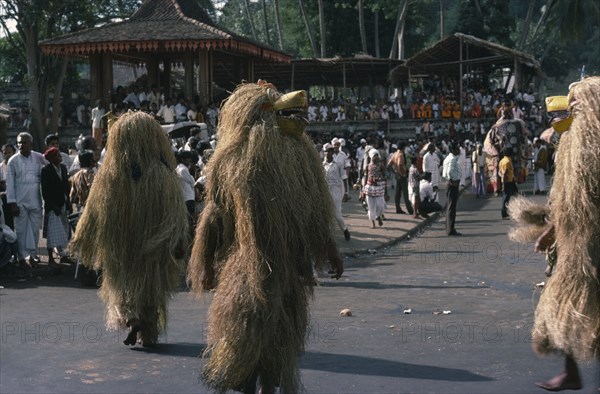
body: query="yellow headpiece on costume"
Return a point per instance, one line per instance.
(290, 108)
(558, 108)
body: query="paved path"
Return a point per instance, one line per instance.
(53, 338)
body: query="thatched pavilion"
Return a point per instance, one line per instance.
(162, 33)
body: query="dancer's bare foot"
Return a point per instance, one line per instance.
(134, 328)
(560, 382)
(568, 379)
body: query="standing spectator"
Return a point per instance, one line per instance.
(87, 143)
(360, 156)
(451, 172)
(431, 164)
(375, 188)
(24, 197)
(53, 141)
(55, 191)
(463, 164)
(334, 174)
(97, 115)
(184, 159)
(414, 178)
(81, 181)
(478, 160)
(540, 162)
(507, 176)
(8, 151)
(397, 164)
(341, 158)
(212, 114)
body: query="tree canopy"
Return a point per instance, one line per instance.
(563, 35)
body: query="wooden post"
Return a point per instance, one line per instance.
(293, 76)
(460, 71)
(250, 76)
(107, 77)
(96, 78)
(188, 65)
(152, 68)
(166, 83)
(203, 77)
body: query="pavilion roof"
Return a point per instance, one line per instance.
(159, 26)
(358, 70)
(444, 56)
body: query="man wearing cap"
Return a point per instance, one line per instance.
(334, 174)
(451, 172)
(24, 197)
(341, 158)
(55, 191)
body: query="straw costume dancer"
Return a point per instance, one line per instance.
(567, 317)
(268, 217)
(133, 227)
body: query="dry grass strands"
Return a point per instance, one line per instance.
(134, 219)
(268, 215)
(530, 217)
(568, 314)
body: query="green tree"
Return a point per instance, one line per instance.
(42, 19)
(12, 65)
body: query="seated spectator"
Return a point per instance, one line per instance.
(428, 196)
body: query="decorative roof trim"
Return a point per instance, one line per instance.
(85, 49)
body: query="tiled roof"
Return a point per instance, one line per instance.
(171, 25)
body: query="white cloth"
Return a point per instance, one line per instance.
(97, 114)
(187, 181)
(181, 111)
(376, 206)
(167, 113)
(23, 188)
(431, 163)
(426, 191)
(334, 176)
(539, 182)
(464, 166)
(341, 158)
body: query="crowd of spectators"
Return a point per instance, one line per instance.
(442, 105)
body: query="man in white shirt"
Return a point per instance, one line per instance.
(167, 112)
(23, 195)
(341, 158)
(184, 159)
(154, 96)
(428, 196)
(97, 115)
(334, 174)
(360, 156)
(431, 164)
(451, 172)
(181, 110)
(133, 97)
